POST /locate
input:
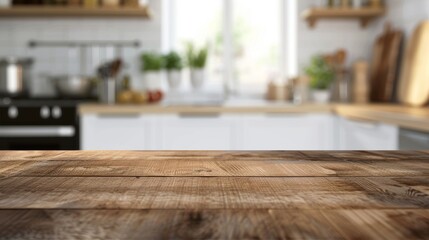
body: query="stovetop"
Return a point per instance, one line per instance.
(44, 101)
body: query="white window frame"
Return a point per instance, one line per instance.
(288, 39)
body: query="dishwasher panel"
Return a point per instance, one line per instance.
(413, 140)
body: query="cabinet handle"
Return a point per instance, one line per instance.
(27, 132)
(199, 115)
(281, 115)
(118, 116)
(364, 123)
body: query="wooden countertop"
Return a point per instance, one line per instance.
(232, 108)
(402, 116)
(214, 195)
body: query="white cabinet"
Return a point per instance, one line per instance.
(203, 131)
(366, 135)
(287, 132)
(199, 131)
(116, 132)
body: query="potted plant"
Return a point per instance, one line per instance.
(321, 76)
(173, 66)
(152, 65)
(196, 60)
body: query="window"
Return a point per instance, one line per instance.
(248, 43)
(256, 42)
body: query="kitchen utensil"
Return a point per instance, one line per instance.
(73, 86)
(110, 3)
(375, 3)
(385, 64)
(276, 92)
(90, 3)
(131, 3)
(340, 87)
(414, 84)
(360, 82)
(300, 89)
(108, 73)
(14, 76)
(110, 69)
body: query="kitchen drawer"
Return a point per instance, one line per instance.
(367, 135)
(116, 132)
(287, 132)
(199, 131)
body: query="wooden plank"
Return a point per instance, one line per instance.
(214, 192)
(198, 168)
(10, 168)
(343, 12)
(212, 155)
(61, 12)
(223, 164)
(365, 15)
(214, 224)
(147, 155)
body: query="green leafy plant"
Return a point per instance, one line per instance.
(173, 61)
(320, 72)
(152, 62)
(196, 58)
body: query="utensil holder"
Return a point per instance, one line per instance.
(108, 91)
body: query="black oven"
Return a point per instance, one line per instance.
(39, 125)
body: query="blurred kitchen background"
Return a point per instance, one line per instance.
(214, 74)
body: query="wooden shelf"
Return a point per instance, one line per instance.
(67, 11)
(364, 15)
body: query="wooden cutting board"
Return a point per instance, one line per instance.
(414, 83)
(385, 63)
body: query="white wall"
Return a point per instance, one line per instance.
(330, 35)
(16, 33)
(404, 14)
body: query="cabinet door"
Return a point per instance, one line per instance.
(196, 132)
(287, 132)
(115, 132)
(367, 135)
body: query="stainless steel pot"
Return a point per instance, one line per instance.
(15, 76)
(73, 86)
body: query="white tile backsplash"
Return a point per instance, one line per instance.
(16, 33)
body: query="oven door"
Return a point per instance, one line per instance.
(38, 138)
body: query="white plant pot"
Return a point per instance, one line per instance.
(152, 81)
(197, 78)
(174, 79)
(321, 96)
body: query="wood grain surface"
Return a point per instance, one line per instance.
(214, 195)
(385, 62)
(414, 84)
